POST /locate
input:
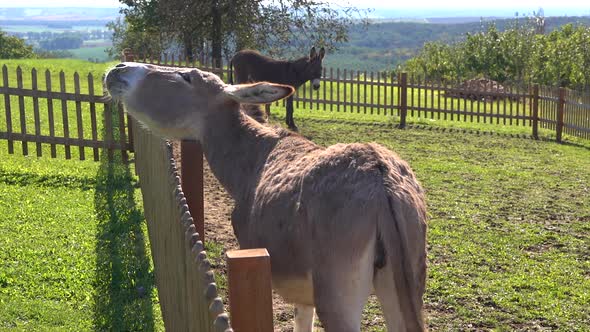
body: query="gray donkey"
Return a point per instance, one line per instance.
(250, 66)
(339, 222)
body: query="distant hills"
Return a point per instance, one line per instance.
(432, 14)
(393, 37)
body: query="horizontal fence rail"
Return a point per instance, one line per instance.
(404, 97)
(45, 113)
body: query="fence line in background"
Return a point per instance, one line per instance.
(61, 118)
(384, 94)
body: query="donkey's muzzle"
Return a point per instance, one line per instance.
(121, 77)
(315, 83)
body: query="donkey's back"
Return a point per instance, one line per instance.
(340, 221)
(251, 66)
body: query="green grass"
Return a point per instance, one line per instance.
(74, 247)
(509, 227)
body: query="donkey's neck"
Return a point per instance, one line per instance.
(296, 70)
(236, 148)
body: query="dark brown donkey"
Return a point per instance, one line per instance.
(250, 66)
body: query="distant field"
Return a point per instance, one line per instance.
(96, 52)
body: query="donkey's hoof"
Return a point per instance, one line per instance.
(294, 128)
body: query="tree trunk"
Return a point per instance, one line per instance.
(189, 50)
(216, 36)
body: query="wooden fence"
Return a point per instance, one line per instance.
(186, 285)
(79, 122)
(561, 110)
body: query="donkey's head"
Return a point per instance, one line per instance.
(177, 102)
(313, 67)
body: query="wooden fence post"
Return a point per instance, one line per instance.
(250, 295)
(403, 106)
(560, 109)
(129, 57)
(191, 154)
(535, 111)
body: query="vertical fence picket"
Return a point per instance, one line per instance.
(7, 110)
(496, 101)
(304, 88)
(438, 92)
(517, 106)
(418, 84)
(392, 93)
(37, 118)
(345, 84)
(535, 111)
(324, 90)
(122, 133)
(511, 104)
(93, 123)
(351, 96)
(365, 92)
(50, 114)
(108, 123)
(411, 98)
(80, 123)
(22, 114)
(64, 112)
(331, 89)
(358, 91)
(403, 100)
(379, 93)
(484, 95)
(372, 89)
(337, 89)
(560, 110)
(452, 108)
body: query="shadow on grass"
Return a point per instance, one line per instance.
(23, 178)
(125, 286)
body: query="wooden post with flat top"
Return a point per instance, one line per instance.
(250, 294)
(191, 154)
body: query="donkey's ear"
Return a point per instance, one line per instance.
(322, 53)
(258, 93)
(312, 53)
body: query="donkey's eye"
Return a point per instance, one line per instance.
(186, 76)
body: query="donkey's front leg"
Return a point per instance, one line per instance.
(289, 117)
(303, 318)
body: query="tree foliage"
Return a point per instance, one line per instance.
(518, 54)
(62, 42)
(14, 48)
(273, 26)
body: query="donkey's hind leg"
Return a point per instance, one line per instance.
(342, 282)
(303, 318)
(386, 293)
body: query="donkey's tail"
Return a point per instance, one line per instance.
(402, 237)
(231, 71)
